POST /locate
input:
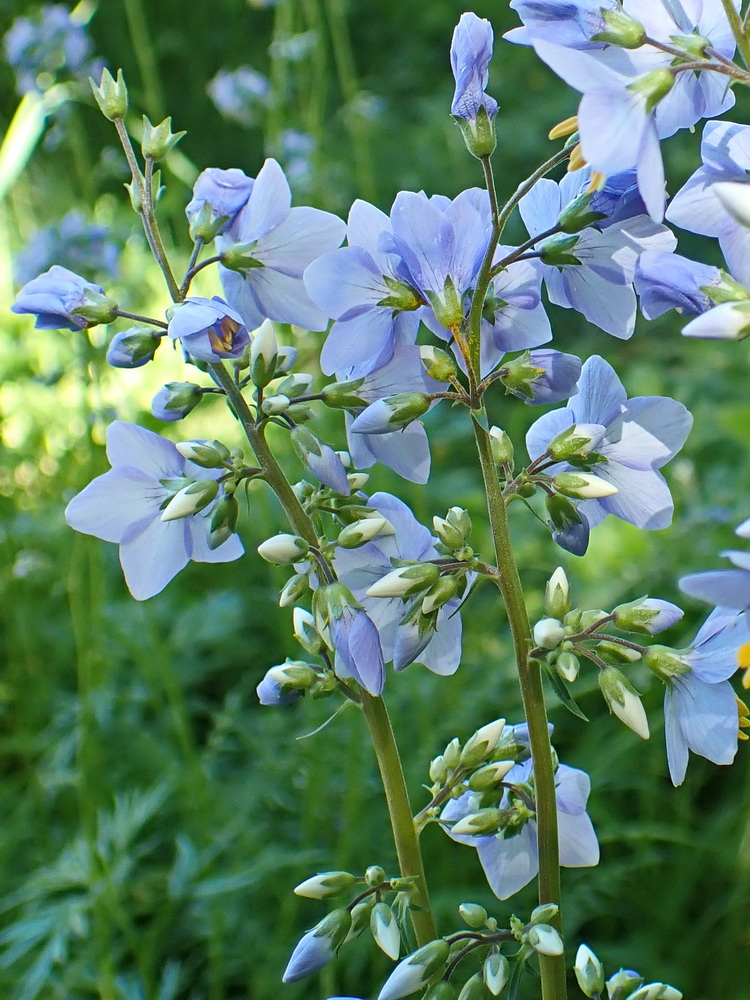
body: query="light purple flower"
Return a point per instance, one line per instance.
(638, 437)
(53, 298)
(281, 242)
(359, 569)
(125, 505)
(557, 378)
(357, 643)
(667, 281)
(511, 863)
(362, 288)
(700, 707)
(321, 460)
(565, 22)
(224, 191)
(600, 286)
(209, 329)
(726, 588)
(269, 693)
(471, 52)
(725, 150)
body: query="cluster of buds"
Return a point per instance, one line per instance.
(625, 984)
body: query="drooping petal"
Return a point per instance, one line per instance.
(154, 557)
(510, 864)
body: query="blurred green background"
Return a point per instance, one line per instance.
(155, 819)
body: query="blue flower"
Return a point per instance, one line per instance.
(557, 377)
(280, 242)
(224, 191)
(53, 298)
(357, 643)
(125, 506)
(511, 862)
(666, 281)
(700, 707)
(571, 23)
(209, 329)
(270, 694)
(726, 588)
(471, 51)
(360, 568)
(725, 151)
(600, 285)
(635, 438)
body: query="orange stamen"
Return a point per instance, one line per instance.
(566, 127)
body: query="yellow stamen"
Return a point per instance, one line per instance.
(743, 656)
(742, 707)
(566, 127)
(744, 723)
(576, 161)
(742, 736)
(597, 182)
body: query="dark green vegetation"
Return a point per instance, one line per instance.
(155, 819)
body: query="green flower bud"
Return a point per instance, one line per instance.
(385, 930)
(451, 537)
(374, 876)
(207, 455)
(656, 991)
(614, 652)
(223, 520)
(111, 96)
(624, 701)
(343, 395)
(276, 404)
(438, 771)
(473, 915)
(325, 885)
(190, 499)
(557, 251)
(575, 443)
(696, 46)
(294, 589)
(474, 988)
(406, 581)
(621, 30)
(544, 913)
(655, 85)
(439, 594)
(360, 918)
(478, 824)
(481, 744)
(577, 215)
(589, 972)
(97, 308)
(416, 971)
(490, 775)
(441, 990)
(438, 364)
(452, 754)
(159, 140)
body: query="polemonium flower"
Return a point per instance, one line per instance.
(725, 151)
(592, 271)
(359, 569)
(125, 506)
(272, 694)
(321, 460)
(727, 588)
(667, 281)
(54, 297)
(357, 643)
(511, 862)
(208, 329)
(362, 288)
(224, 191)
(274, 243)
(543, 377)
(572, 23)
(728, 321)
(634, 438)
(471, 52)
(700, 707)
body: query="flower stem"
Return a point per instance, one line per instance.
(738, 29)
(532, 693)
(374, 709)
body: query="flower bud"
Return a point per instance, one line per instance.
(496, 972)
(557, 251)
(438, 364)
(223, 520)
(578, 215)
(416, 970)
(490, 775)
(615, 652)
(441, 990)
(264, 352)
(283, 549)
(391, 413)
(481, 744)
(175, 400)
(473, 915)
(439, 594)
(207, 455)
(358, 481)
(589, 972)
(583, 486)
(205, 225)
(316, 948)
(374, 876)
(295, 675)
(385, 930)
(295, 588)
(159, 140)
(305, 632)
(544, 913)
(665, 662)
(111, 95)
(557, 594)
(363, 531)
(549, 633)
(96, 308)
(190, 499)
(360, 918)
(623, 700)
(405, 581)
(646, 615)
(545, 939)
(438, 772)
(575, 443)
(474, 988)
(325, 885)
(621, 30)
(656, 991)
(451, 537)
(568, 666)
(276, 404)
(655, 84)
(622, 984)
(343, 395)
(502, 446)
(452, 754)
(478, 824)
(132, 348)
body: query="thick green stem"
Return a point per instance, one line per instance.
(404, 829)
(374, 709)
(529, 673)
(738, 29)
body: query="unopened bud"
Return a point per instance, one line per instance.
(132, 348)
(479, 746)
(622, 984)
(620, 30)
(490, 775)
(568, 666)
(589, 972)
(656, 991)
(545, 939)
(557, 594)
(343, 395)
(544, 913)
(575, 443)
(646, 615)
(208, 455)
(474, 988)
(496, 971)
(283, 549)
(473, 915)
(305, 631)
(97, 308)
(264, 352)
(439, 594)
(549, 633)
(416, 971)
(363, 531)
(276, 404)
(502, 446)
(624, 701)
(391, 413)
(294, 589)
(175, 400)
(405, 581)
(451, 537)
(325, 885)
(385, 930)
(452, 754)
(478, 824)
(159, 140)
(583, 486)
(438, 772)
(375, 876)
(190, 499)
(438, 364)
(111, 95)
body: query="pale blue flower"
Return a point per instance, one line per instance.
(270, 694)
(471, 52)
(53, 298)
(726, 588)
(700, 707)
(49, 44)
(571, 23)
(667, 281)
(224, 191)
(240, 94)
(208, 329)
(637, 437)
(281, 242)
(125, 505)
(511, 862)
(358, 647)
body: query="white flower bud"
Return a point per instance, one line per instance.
(589, 972)
(452, 754)
(283, 549)
(325, 884)
(545, 939)
(405, 581)
(190, 499)
(623, 701)
(305, 631)
(496, 971)
(583, 486)
(490, 775)
(473, 915)
(264, 352)
(568, 666)
(385, 930)
(364, 530)
(416, 970)
(656, 991)
(479, 746)
(357, 480)
(557, 594)
(478, 824)
(735, 199)
(207, 455)
(549, 633)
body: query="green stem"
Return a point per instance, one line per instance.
(404, 829)
(532, 693)
(738, 30)
(374, 709)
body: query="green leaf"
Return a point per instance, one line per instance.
(563, 693)
(25, 131)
